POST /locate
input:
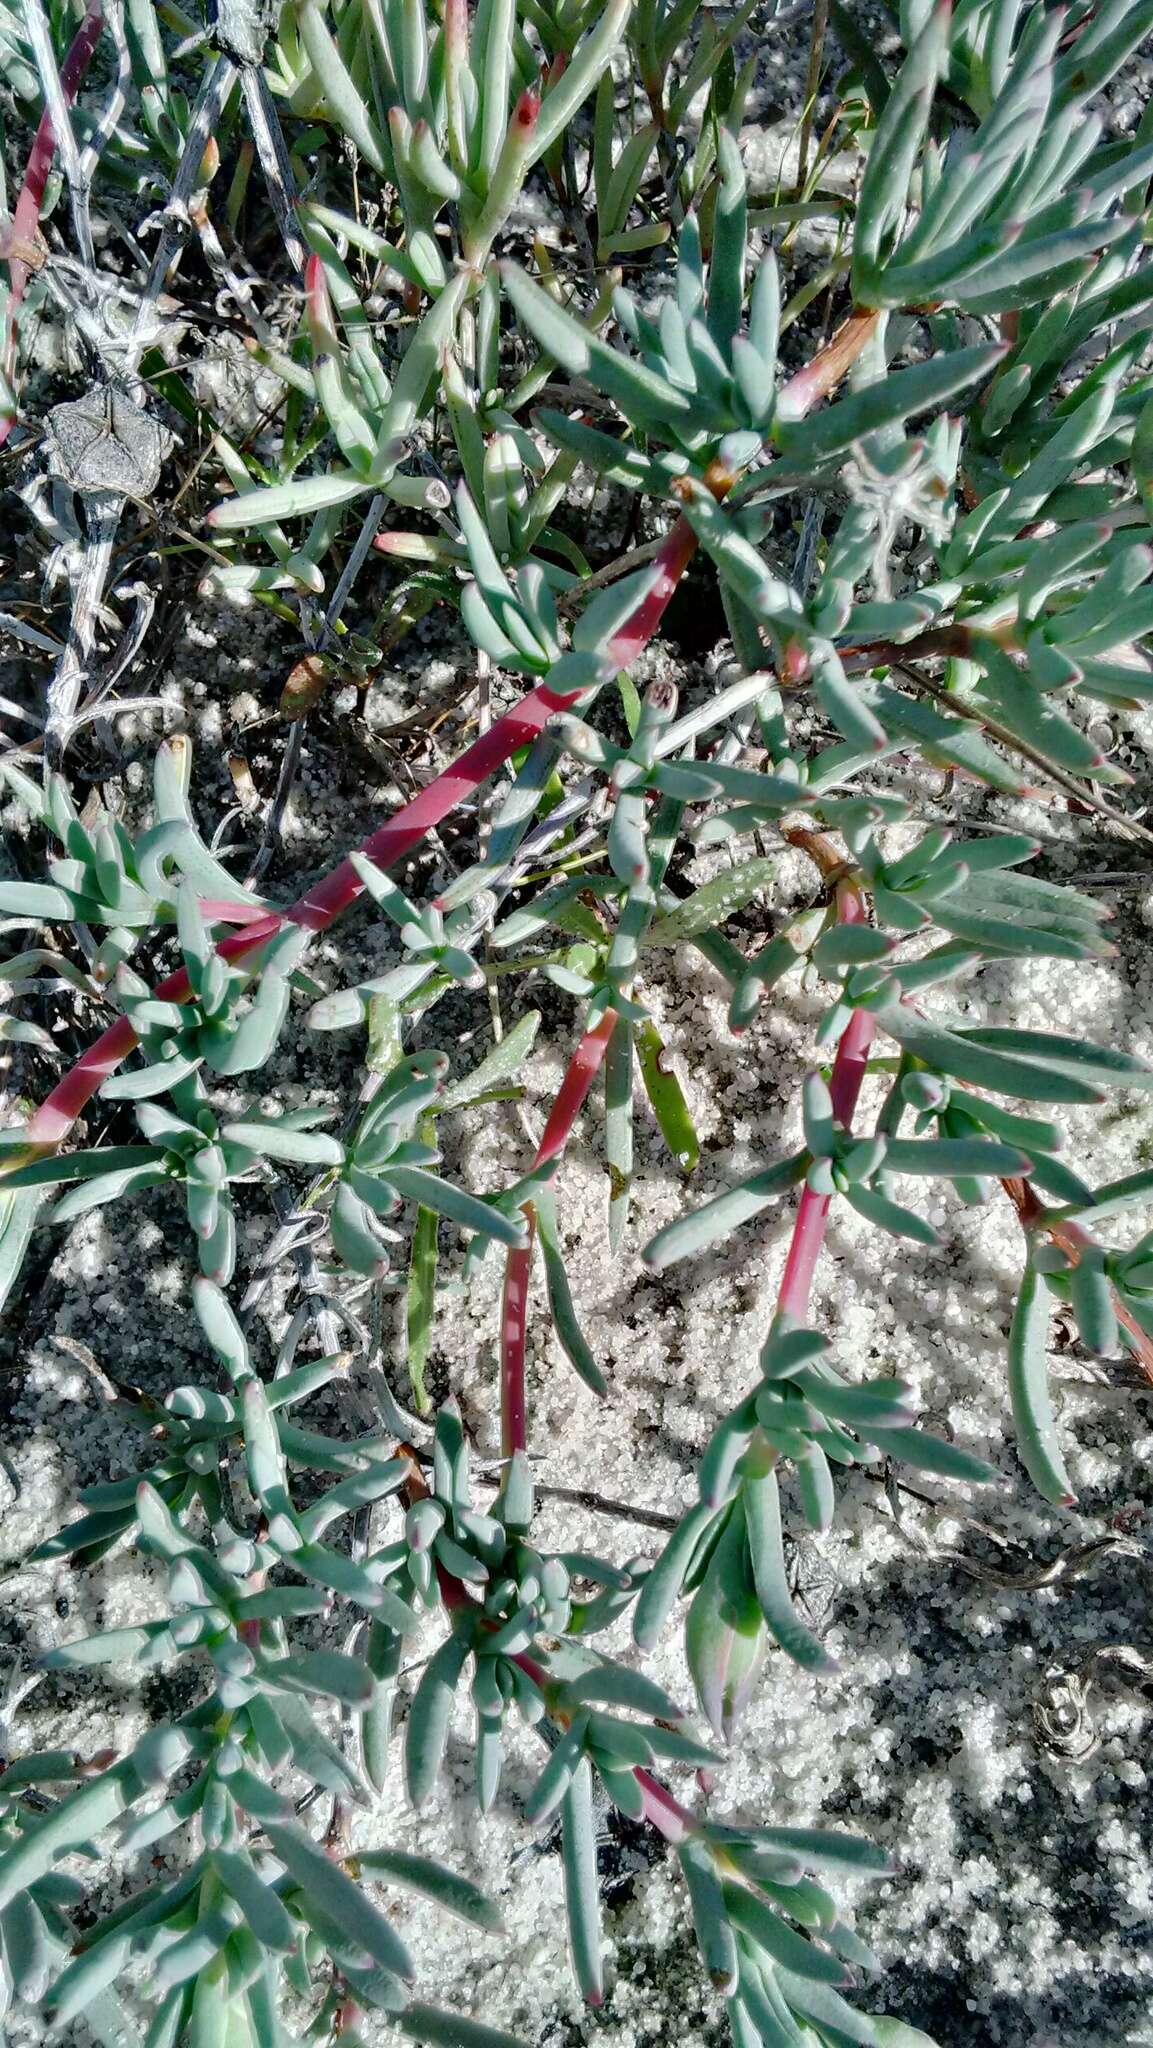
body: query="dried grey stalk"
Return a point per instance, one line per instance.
(242, 27)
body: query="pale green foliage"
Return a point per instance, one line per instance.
(969, 461)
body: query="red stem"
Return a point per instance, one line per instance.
(674, 1821)
(582, 1071)
(676, 552)
(318, 907)
(408, 826)
(822, 375)
(680, 545)
(321, 331)
(848, 1074)
(26, 216)
(513, 1338)
(216, 911)
(579, 1077)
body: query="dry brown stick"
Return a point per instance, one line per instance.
(812, 81)
(612, 571)
(599, 1504)
(577, 1496)
(1009, 739)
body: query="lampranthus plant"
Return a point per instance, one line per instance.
(966, 452)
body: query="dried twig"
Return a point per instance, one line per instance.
(1129, 828)
(26, 214)
(108, 506)
(1061, 1710)
(812, 83)
(56, 108)
(274, 162)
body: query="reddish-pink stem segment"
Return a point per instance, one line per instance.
(321, 904)
(318, 907)
(679, 547)
(513, 1338)
(26, 216)
(408, 826)
(818, 378)
(845, 1086)
(579, 1077)
(674, 1821)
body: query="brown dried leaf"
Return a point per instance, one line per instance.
(305, 686)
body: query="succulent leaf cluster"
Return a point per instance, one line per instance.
(927, 519)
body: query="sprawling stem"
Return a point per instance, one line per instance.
(812, 1209)
(848, 1074)
(677, 551)
(822, 375)
(319, 906)
(579, 1076)
(672, 1820)
(325, 901)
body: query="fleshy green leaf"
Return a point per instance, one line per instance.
(259, 1904)
(324, 1881)
(1029, 1393)
(420, 1873)
(436, 2029)
(770, 1575)
(662, 1584)
(427, 1730)
(582, 1896)
(714, 1933)
(890, 399)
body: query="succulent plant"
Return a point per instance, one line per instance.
(968, 457)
